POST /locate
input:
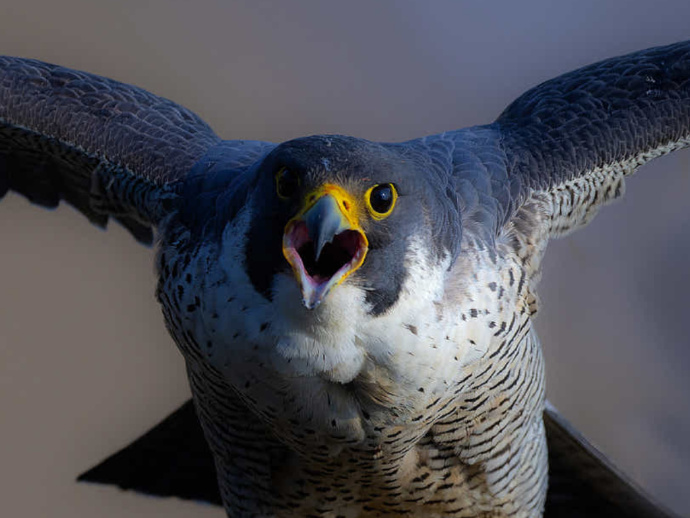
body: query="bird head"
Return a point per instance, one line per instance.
(338, 210)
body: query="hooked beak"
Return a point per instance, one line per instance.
(324, 243)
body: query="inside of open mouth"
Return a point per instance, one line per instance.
(334, 255)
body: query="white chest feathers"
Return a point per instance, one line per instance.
(274, 350)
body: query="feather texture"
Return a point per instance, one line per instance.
(173, 459)
(103, 146)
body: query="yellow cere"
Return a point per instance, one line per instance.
(346, 202)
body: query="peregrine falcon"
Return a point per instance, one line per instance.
(356, 317)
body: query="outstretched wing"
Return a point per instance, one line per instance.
(575, 137)
(105, 147)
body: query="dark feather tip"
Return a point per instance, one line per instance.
(172, 459)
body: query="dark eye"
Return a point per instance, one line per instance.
(287, 183)
(381, 199)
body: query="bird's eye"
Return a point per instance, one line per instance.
(381, 199)
(287, 183)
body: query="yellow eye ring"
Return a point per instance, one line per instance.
(380, 200)
(287, 183)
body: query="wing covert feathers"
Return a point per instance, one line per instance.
(575, 137)
(103, 146)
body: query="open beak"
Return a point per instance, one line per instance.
(324, 243)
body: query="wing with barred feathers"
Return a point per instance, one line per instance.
(575, 137)
(107, 148)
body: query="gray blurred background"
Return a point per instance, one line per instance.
(85, 362)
